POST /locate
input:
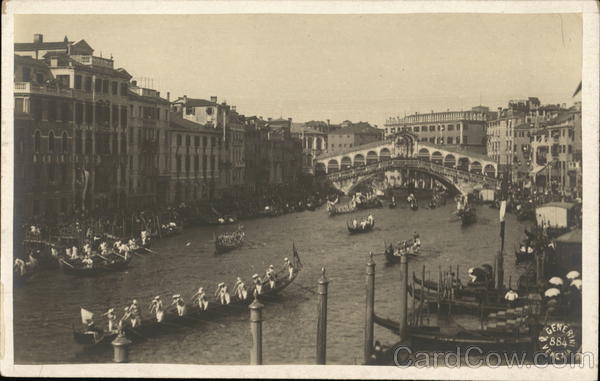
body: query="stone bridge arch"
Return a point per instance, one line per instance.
(437, 158)
(463, 163)
(489, 170)
(476, 167)
(450, 161)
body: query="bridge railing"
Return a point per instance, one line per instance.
(438, 169)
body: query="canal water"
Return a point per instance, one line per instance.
(47, 307)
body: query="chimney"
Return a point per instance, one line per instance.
(38, 38)
(213, 99)
(328, 122)
(169, 96)
(185, 99)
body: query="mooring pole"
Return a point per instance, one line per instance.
(322, 322)
(370, 309)
(499, 276)
(256, 329)
(402, 329)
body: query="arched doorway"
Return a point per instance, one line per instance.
(476, 167)
(359, 160)
(333, 166)
(385, 154)
(372, 157)
(346, 162)
(437, 157)
(450, 161)
(489, 170)
(463, 164)
(423, 154)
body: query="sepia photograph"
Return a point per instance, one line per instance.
(393, 189)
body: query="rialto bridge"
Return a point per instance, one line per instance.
(404, 160)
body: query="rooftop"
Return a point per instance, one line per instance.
(179, 123)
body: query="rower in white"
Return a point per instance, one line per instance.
(111, 316)
(201, 298)
(156, 307)
(270, 276)
(179, 304)
(257, 285)
(222, 294)
(136, 314)
(240, 289)
(289, 266)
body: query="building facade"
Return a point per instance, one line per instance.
(457, 130)
(71, 114)
(352, 135)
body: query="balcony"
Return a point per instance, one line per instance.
(34, 88)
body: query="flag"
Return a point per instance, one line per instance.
(502, 222)
(86, 316)
(296, 256)
(578, 89)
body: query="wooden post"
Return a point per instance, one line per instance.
(423, 297)
(402, 329)
(322, 322)
(369, 310)
(121, 349)
(499, 276)
(414, 315)
(256, 329)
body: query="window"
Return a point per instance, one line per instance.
(196, 141)
(115, 115)
(88, 143)
(63, 178)
(417, 128)
(431, 140)
(451, 127)
(105, 84)
(37, 141)
(65, 142)
(78, 82)
(124, 116)
(19, 105)
(78, 113)
(166, 114)
(78, 142)
(190, 111)
(431, 128)
(51, 141)
(196, 163)
(450, 140)
(204, 141)
(39, 77)
(63, 81)
(465, 139)
(187, 163)
(178, 140)
(89, 113)
(51, 172)
(88, 84)
(124, 89)
(114, 88)
(178, 163)
(465, 127)
(26, 74)
(66, 113)
(124, 144)
(51, 110)
(212, 141)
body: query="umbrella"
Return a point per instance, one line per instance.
(573, 275)
(552, 292)
(576, 283)
(556, 281)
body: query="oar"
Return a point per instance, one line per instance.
(148, 250)
(66, 263)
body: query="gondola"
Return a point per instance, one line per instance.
(229, 241)
(311, 206)
(99, 266)
(469, 290)
(360, 229)
(468, 216)
(370, 204)
(194, 315)
(390, 253)
(453, 337)
(334, 210)
(525, 213)
(170, 230)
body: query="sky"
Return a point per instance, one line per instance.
(337, 67)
